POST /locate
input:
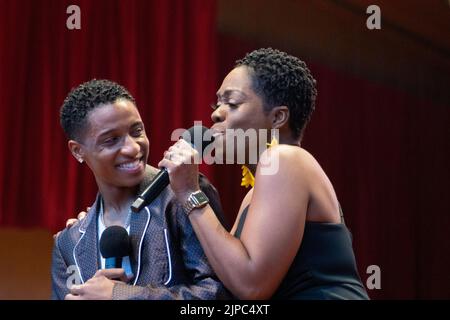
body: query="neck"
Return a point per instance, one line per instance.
(288, 139)
(283, 140)
(117, 201)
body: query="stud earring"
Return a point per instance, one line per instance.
(80, 160)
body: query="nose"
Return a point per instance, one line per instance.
(218, 115)
(130, 147)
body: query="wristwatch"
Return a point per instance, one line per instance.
(196, 200)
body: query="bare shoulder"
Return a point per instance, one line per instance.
(288, 159)
(288, 152)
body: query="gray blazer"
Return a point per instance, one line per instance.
(167, 260)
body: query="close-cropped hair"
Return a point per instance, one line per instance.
(85, 98)
(283, 80)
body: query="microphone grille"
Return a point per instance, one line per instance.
(115, 242)
(199, 137)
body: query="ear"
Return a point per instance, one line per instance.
(76, 149)
(279, 116)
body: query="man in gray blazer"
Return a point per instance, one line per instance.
(166, 259)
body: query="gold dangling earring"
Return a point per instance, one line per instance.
(247, 177)
(274, 140)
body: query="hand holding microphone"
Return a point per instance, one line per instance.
(179, 161)
(115, 245)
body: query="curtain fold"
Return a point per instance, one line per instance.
(162, 51)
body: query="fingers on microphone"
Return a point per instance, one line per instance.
(164, 163)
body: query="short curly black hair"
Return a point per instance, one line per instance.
(283, 80)
(85, 98)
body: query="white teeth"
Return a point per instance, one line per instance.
(130, 165)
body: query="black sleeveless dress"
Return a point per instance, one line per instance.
(324, 267)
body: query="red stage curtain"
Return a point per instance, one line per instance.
(386, 152)
(161, 50)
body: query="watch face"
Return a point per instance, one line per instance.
(201, 197)
(196, 200)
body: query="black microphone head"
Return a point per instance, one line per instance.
(199, 137)
(115, 242)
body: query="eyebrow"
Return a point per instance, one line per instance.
(137, 123)
(229, 92)
(108, 131)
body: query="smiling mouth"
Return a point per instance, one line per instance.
(131, 165)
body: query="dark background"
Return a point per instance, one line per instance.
(380, 129)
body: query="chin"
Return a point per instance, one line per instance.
(132, 180)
